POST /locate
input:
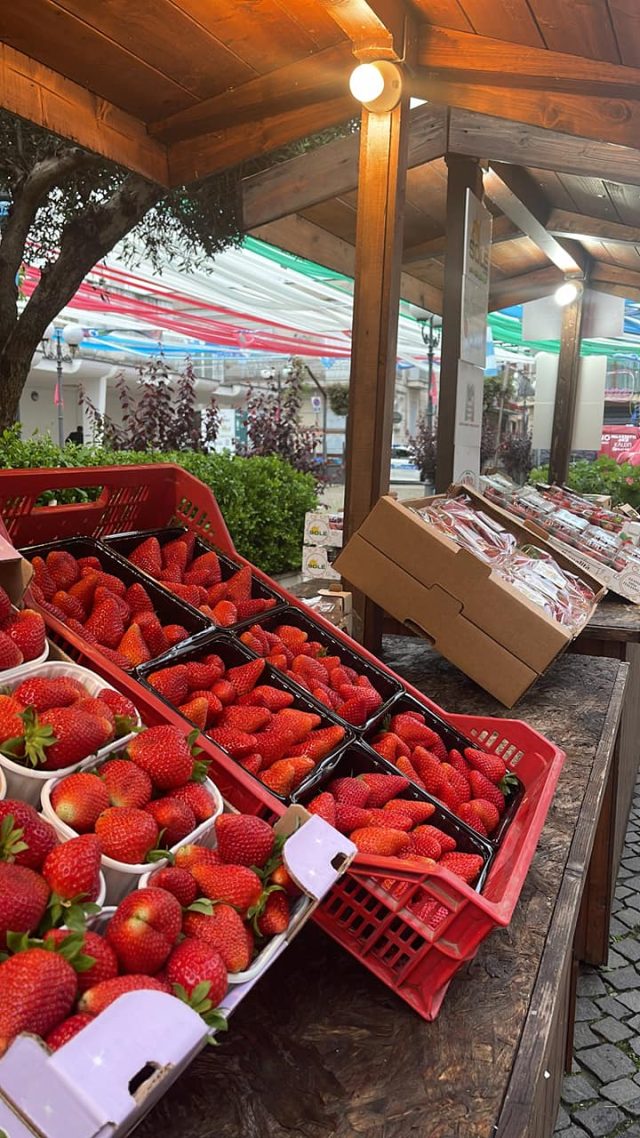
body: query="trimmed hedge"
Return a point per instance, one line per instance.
(604, 476)
(263, 500)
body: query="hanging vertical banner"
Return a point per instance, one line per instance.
(475, 281)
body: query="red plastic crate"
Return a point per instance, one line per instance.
(415, 929)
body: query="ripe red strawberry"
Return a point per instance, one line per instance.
(297, 723)
(391, 747)
(445, 841)
(120, 704)
(105, 964)
(349, 818)
(309, 668)
(138, 599)
(380, 842)
(43, 579)
(244, 839)
(417, 810)
(63, 567)
(320, 743)
(196, 796)
(72, 869)
(254, 607)
(192, 854)
(406, 768)
(152, 633)
(42, 693)
(204, 570)
(456, 760)
(280, 876)
(89, 562)
(491, 766)
(464, 865)
(194, 963)
(273, 919)
(26, 838)
(175, 633)
(383, 787)
(481, 787)
(62, 736)
(487, 812)
(355, 710)
(103, 594)
(27, 630)
(126, 784)
(244, 677)
(425, 845)
(147, 556)
(175, 553)
(196, 710)
(324, 805)
(144, 929)
(412, 730)
(302, 767)
(239, 586)
(237, 885)
(213, 705)
(126, 834)
(174, 819)
(79, 800)
(472, 819)
(171, 683)
(217, 593)
(99, 710)
(177, 881)
(66, 1030)
(266, 696)
(291, 636)
(102, 995)
(165, 754)
(133, 646)
(274, 745)
(10, 654)
(106, 623)
(248, 719)
(225, 614)
(236, 743)
(192, 594)
(225, 931)
(396, 819)
(24, 895)
(430, 770)
(37, 991)
(252, 763)
(11, 722)
(280, 778)
(202, 674)
(84, 590)
(350, 791)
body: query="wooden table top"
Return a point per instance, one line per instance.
(322, 1049)
(614, 619)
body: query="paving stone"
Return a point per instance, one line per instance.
(634, 1044)
(632, 1132)
(624, 978)
(630, 947)
(616, 927)
(562, 1120)
(577, 1088)
(607, 1062)
(621, 1092)
(622, 891)
(630, 999)
(574, 1132)
(599, 1120)
(612, 1007)
(634, 1023)
(629, 917)
(612, 1030)
(632, 863)
(584, 1037)
(590, 984)
(614, 959)
(587, 1010)
(624, 872)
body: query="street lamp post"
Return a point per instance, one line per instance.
(431, 332)
(71, 336)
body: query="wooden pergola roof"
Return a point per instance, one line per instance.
(178, 89)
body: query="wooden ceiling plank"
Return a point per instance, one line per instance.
(565, 224)
(510, 19)
(585, 29)
(444, 13)
(528, 286)
(93, 62)
(460, 57)
(589, 195)
(304, 82)
(602, 119)
(518, 197)
(330, 170)
(196, 158)
(625, 17)
(626, 201)
(553, 188)
(376, 28)
(304, 239)
(530, 145)
(625, 292)
(266, 37)
(614, 274)
(503, 230)
(36, 93)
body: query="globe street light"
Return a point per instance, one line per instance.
(72, 336)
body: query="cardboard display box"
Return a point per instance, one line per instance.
(435, 588)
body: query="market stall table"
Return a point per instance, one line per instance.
(325, 1050)
(614, 631)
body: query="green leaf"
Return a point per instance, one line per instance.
(201, 905)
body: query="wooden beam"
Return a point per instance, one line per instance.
(566, 390)
(626, 292)
(564, 223)
(198, 157)
(463, 57)
(530, 145)
(528, 286)
(376, 28)
(463, 174)
(331, 170)
(36, 93)
(615, 274)
(304, 239)
(309, 81)
(515, 193)
(503, 230)
(384, 144)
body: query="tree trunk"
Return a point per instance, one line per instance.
(14, 369)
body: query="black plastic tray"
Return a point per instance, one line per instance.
(234, 653)
(358, 759)
(169, 609)
(453, 739)
(125, 543)
(388, 686)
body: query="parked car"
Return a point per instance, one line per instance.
(403, 469)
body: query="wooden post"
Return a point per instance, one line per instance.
(381, 190)
(566, 389)
(463, 174)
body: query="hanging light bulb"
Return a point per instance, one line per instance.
(366, 82)
(378, 86)
(566, 294)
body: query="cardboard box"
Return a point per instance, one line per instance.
(15, 572)
(443, 592)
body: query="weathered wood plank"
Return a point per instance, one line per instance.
(566, 390)
(564, 223)
(520, 289)
(514, 192)
(376, 28)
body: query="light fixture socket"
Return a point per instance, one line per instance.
(386, 89)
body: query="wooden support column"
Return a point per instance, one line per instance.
(566, 389)
(381, 192)
(463, 174)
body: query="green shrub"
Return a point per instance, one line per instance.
(263, 500)
(604, 476)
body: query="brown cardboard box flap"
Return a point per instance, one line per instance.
(15, 572)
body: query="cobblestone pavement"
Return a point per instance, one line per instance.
(602, 1094)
